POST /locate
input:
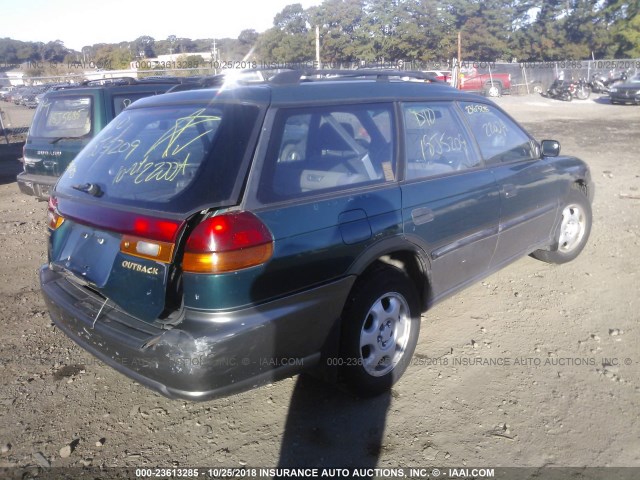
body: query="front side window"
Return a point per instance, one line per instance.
(62, 117)
(499, 138)
(317, 150)
(436, 142)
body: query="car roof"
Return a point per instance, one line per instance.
(305, 92)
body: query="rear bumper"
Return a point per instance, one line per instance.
(209, 354)
(36, 185)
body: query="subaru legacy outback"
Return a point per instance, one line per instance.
(212, 240)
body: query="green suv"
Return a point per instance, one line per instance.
(212, 240)
(66, 120)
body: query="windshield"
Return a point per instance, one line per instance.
(169, 158)
(635, 79)
(62, 117)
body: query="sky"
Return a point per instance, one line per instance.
(86, 22)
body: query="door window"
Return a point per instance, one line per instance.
(435, 141)
(500, 139)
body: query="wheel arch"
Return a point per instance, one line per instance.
(405, 257)
(395, 252)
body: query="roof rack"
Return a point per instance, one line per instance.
(133, 81)
(290, 77)
(293, 77)
(195, 83)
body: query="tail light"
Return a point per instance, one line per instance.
(226, 243)
(150, 237)
(54, 219)
(143, 236)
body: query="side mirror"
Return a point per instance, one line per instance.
(550, 148)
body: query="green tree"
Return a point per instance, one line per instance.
(289, 40)
(144, 47)
(54, 52)
(623, 19)
(113, 57)
(545, 38)
(342, 33)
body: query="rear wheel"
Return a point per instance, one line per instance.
(381, 324)
(494, 90)
(572, 232)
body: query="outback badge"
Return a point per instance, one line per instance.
(139, 268)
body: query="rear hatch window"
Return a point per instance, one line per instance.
(174, 159)
(62, 117)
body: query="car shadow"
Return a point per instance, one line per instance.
(329, 428)
(603, 100)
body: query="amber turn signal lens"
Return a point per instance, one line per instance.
(222, 262)
(54, 219)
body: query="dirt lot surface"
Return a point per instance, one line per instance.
(538, 365)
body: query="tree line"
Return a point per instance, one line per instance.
(390, 30)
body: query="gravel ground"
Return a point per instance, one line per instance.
(535, 366)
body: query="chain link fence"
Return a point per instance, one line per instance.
(15, 121)
(530, 77)
(526, 78)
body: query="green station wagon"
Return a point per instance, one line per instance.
(67, 119)
(212, 240)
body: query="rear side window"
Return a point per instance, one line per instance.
(318, 150)
(168, 158)
(499, 138)
(436, 142)
(63, 117)
(123, 100)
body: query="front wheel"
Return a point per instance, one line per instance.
(381, 323)
(573, 231)
(583, 93)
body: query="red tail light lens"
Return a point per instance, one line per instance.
(226, 243)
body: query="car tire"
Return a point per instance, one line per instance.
(381, 324)
(572, 232)
(494, 90)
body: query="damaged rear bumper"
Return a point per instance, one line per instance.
(209, 354)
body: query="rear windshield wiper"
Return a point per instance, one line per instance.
(90, 188)
(56, 140)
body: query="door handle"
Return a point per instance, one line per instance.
(509, 190)
(422, 215)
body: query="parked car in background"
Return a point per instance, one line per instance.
(211, 240)
(442, 75)
(627, 92)
(4, 92)
(14, 95)
(488, 84)
(68, 118)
